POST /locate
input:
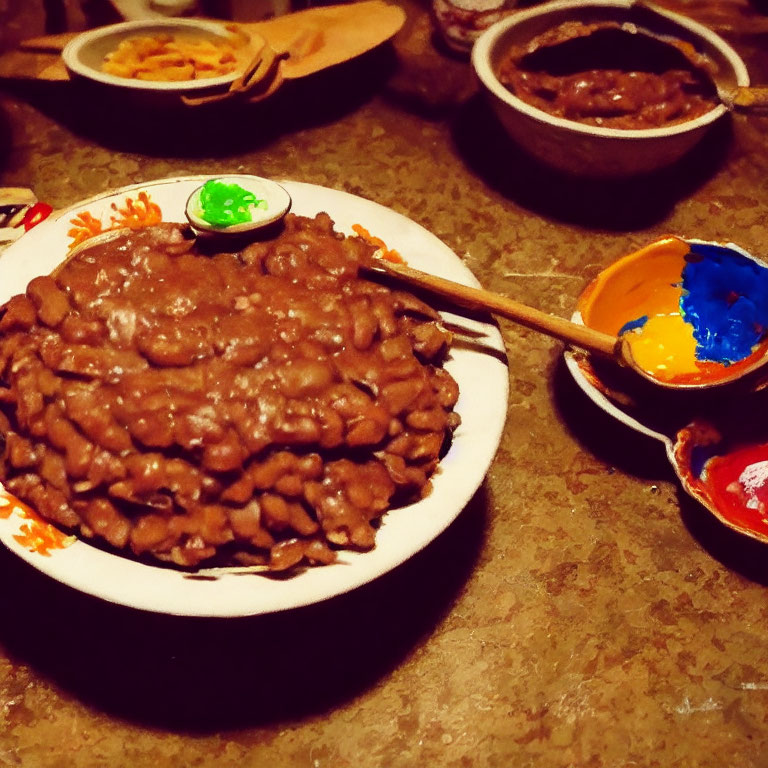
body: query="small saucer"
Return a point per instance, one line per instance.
(271, 203)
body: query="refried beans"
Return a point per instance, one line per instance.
(601, 74)
(263, 407)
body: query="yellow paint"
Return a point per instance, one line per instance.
(645, 282)
(664, 347)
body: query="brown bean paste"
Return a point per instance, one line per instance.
(259, 407)
(602, 74)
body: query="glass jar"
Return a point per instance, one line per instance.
(461, 22)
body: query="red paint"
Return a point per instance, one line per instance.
(37, 213)
(720, 482)
(713, 373)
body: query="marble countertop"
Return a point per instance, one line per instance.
(581, 611)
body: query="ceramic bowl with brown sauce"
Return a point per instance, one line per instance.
(605, 88)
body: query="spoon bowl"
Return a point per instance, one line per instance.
(236, 205)
(733, 373)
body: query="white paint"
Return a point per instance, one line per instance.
(708, 705)
(752, 479)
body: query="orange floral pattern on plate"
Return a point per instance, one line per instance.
(384, 252)
(34, 533)
(134, 214)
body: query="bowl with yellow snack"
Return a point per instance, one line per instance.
(174, 55)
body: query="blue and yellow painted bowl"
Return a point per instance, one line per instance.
(693, 313)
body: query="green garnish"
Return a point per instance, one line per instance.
(223, 205)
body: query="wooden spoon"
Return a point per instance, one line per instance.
(748, 98)
(262, 70)
(477, 298)
(581, 336)
(734, 97)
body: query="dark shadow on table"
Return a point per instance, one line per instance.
(6, 141)
(613, 205)
(205, 675)
(609, 440)
(635, 454)
(737, 552)
(119, 121)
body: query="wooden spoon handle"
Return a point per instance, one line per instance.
(258, 45)
(749, 98)
(477, 298)
(262, 70)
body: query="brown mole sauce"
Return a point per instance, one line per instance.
(601, 74)
(258, 407)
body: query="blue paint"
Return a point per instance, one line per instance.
(725, 299)
(633, 325)
(700, 456)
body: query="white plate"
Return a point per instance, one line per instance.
(477, 367)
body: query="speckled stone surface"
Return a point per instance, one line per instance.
(581, 611)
